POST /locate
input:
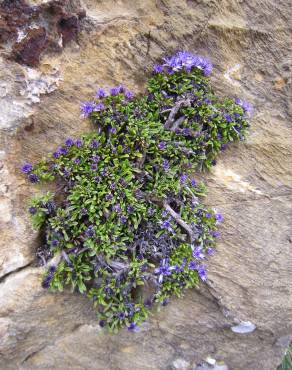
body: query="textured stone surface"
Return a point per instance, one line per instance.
(250, 276)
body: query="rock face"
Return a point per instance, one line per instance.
(242, 318)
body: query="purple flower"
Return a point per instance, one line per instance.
(157, 68)
(185, 131)
(78, 143)
(99, 107)
(55, 243)
(115, 91)
(166, 225)
(151, 211)
(183, 179)
(218, 217)
(223, 147)
(97, 179)
(228, 118)
(130, 209)
(102, 323)
(193, 265)
(33, 178)
(193, 183)
(187, 61)
(112, 130)
(100, 93)
(89, 232)
(165, 165)
(95, 158)
(162, 145)
(32, 210)
(246, 106)
(164, 213)
(132, 326)
(165, 302)
(77, 160)
(215, 234)
(87, 108)
(129, 95)
(69, 142)
(198, 254)
(208, 215)
(83, 211)
(123, 219)
(27, 168)
(139, 194)
(164, 270)
(117, 208)
(202, 272)
(108, 197)
(94, 144)
(210, 251)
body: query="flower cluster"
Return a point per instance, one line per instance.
(184, 60)
(126, 220)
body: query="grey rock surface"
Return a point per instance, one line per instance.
(250, 277)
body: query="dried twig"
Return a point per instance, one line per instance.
(179, 220)
(177, 106)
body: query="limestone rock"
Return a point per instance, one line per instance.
(249, 277)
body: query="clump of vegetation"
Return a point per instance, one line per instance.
(127, 222)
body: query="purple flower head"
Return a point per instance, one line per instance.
(246, 106)
(52, 270)
(47, 282)
(162, 145)
(83, 211)
(164, 269)
(113, 186)
(193, 183)
(215, 234)
(123, 219)
(55, 242)
(198, 254)
(94, 144)
(121, 315)
(32, 210)
(166, 225)
(210, 251)
(187, 61)
(102, 323)
(132, 326)
(165, 302)
(97, 179)
(208, 215)
(185, 131)
(87, 108)
(27, 168)
(130, 209)
(108, 197)
(78, 143)
(157, 68)
(164, 213)
(117, 208)
(183, 179)
(69, 142)
(129, 95)
(202, 272)
(89, 232)
(99, 107)
(193, 265)
(77, 160)
(165, 165)
(151, 211)
(33, 178)
(223, 147)
(115, 91)
(95, 158)
(100, 93)
(139, 194)
(112, 130)
(218, 217)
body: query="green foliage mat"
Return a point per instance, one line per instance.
(126, 224)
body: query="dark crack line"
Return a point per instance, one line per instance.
(13, 272)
